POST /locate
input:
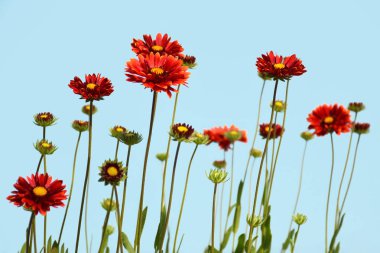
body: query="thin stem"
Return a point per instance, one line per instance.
(45, 171)
(34, 235)
(45, 233)
(86, 215)
(250, 190)
(105, 223)
(183, 198)
(125, 188)
(221, 213)
(167, 153)
(39, 164)
(213, 219)
(343, 175)
(299, 185)
(117, 149)
(119, 244)
(71, 188)
(28, 231)
(352, 173)
(170, 196)
(328, 194)
(231, 186)
(139, 213)
(86, 178)
(261, 167)
(295, 239)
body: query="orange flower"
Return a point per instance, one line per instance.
(161, 45)
(38, 193)
(220, 135)
(278, 67)
(276, 131)
(330, 118)
(157, 72)
(94, 87)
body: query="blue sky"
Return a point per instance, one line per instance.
(45, 44)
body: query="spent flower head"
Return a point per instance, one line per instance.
(112, 172)
(220, 164)
(181, 132)
(87, 108)
(279, 106)
(107, 204)
(256, 153)
(254, 221)
(217, 176)
(361, 128)
(44, 119)
(117, 131)
(131, 138)
(162, 156)
(299, 218)
(80, 125)
(307, 136)
(45, 147)
(356, 107)
(199, 139)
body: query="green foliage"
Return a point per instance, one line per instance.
(333, 248)
(160, 233)
(126, 243)
(288, 240)
(226, 238)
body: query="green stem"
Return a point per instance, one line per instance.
(86, 215)
(261, 167)
(213, 219)
(139, 213)
(250, 191)
(119, 243)
(105, 223)
(45, 171)
(183, 198)
(231, 187)
(117, 149)
(34, 236)
(328, 194)
(86, 178)
(28, 233)
(343, 175)
(170, 197)
(125, 188)
(351, 174)
(71, 189)
(167, 153)
(292, 247)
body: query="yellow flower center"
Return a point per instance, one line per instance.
(91, 86)
(157, 71)
(182, 129)
(45, 145)
(329, 120)
(279, 66)
(87, 107)
(43, 116)
(81, 122)
(278, 104)
(157, 48)
(267, 129)
(199, 135)
(234, 133)
(112, 171)
(119, 129)
(40, 191)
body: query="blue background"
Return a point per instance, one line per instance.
(44, 44)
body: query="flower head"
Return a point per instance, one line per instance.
(189, 61)
(162, 156)
(199, 139)
(356, 107)
(307, 136)
(109, 230)
(181, 132)
(80, 125)
(131, 138)
(45, 147)
(361, 128)
(278, 67)
(328, 119)
(107, 204)
(220, 135)
(38, 193)
(161, 45)
(217, 176)
(255, 221)
(112, 172)
(256, 153)
(275, 131)
(299, 219)
(157, 72)
(279, 106)
(44, 119)
(220, 164)
(117, 131)
(86, 109)
(94, 87)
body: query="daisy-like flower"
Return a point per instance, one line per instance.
(95, 87)
(45, 147)
(328, 119)
(219, 135)
(117, 131)
(86, 109)
(189, 61)
(131, 138)
(44, 119)
(278, 67)
(157, 72)
(275, 131)
(361, 128)
(80, 125)
(112, 172)
(181, 132)
(38, 193)
(161, 45)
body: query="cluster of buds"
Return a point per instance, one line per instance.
(44, 119)
(217, 176)
(86, 109)
(112, 172)
(45, 147)
(299, 219)
(80, 125)
(279, 106)
(254, 221)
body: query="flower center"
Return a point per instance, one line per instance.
(40, 191)
(329, 120)
(278, 104)
(87, 107)
(267, 129)
(43, 116)
(45, 145)
(112, 171)
(119, 129)
(91, 86)
(234, 133)
(182, 129)
(199, 135)
(157, 48)
(157, 71)
(279, 66)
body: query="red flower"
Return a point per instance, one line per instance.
(277, 67)
(157, 72)
(160, 45)
(38, 193)
(330, 118)
(276, 131)
(220, 135)
(95, 87)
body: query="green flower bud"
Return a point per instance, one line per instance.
(44, 119)
(161, 156)
(255, 221)
(109, 230)
(299, 219)
(217, 176)
(256, 153)
(220, 164)
(86, 109)
(80, 125)
(361, 128)
(45, 147)
(131, 138)
(108, 205)
(279, 106)
(233, 135)
(117, 131)
(307, 136)
(199, 139)
(356, 107)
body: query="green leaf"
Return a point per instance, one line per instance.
(230, 209)
(108, 250)
(144, 213)
(208, 250)
(226, 238)
(23, 248)
(167, 243)
(285, 245)
(49, 244)
(332, 247)
(240, 244)
(126, 243)
(266, 238)
(236, 222)
(160, 228)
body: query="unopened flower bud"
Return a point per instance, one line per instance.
(107, 204)
(161, 156)
(307, 136)
(299, 219)
(220, 164)
(254, 221)
(217, 176)
(256, 153)
(356, 107)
